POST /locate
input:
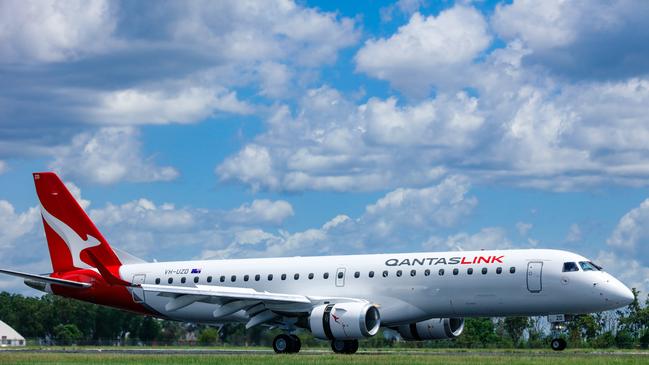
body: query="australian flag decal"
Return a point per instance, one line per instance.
(196, 271)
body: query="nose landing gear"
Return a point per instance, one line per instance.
(286, 344)
(558, 323)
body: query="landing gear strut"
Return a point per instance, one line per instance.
(344, 346)
(558, 322)
(286, 344)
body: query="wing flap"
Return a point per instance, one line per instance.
(47, 279)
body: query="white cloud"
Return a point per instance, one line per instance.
(631, 234)
(186, 105)
(574, 234)
(427, 51)
(54, 30)
(3, 167)
(490, 238)
(15, 225)
(523, 228)
(110, 155)
(261, 211)
(630, 271)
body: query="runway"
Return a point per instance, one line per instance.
(307, 352)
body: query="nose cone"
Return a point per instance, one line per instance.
(619, 294)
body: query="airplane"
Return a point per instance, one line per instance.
(421, 295)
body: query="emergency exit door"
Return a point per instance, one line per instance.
(534, 273)
(137, 292)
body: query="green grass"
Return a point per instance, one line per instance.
(516, 358)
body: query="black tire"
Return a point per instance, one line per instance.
(282, 344)
(558, 344)
(296, 344)
(352, 346)
(338, 346)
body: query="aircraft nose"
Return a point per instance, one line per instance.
(619, 293)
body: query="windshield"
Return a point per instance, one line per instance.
(589, 266)
(570, 266)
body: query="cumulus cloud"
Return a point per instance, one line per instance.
(427, 51)
(261, 211)
(110, 155)
(631, 234)
(490, 238)
(523, 228)
(54, 30)
(3, 167)
(574, 233)
(608, 43)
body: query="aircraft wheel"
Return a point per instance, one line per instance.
(282, 344)
(344, 346)
(296, 344)
(558, 344)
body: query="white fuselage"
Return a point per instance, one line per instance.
(537, 286)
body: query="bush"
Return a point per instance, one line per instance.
(208, 336)
(66, 334)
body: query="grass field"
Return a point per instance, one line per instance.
(515, 358)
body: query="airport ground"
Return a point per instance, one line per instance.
(162, 356)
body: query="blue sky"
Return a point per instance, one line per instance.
(250, 129)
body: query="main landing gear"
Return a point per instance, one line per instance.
(344, 346)
(287, 344)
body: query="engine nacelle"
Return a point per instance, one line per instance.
(432, 329)
(344, 321)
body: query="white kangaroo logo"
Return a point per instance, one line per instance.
(75, 243)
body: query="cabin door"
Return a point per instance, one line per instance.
(534, 272)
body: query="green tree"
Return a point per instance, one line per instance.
(67, 334)
(208, 336)
(150, 329)
(515, 327)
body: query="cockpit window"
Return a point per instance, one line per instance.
(589, 266)
(570, 266)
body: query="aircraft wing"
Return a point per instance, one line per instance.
(46, 279)
(260, 307)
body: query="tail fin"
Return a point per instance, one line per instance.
(73, 240)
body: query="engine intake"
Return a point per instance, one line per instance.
(432, 329)
(344, 321)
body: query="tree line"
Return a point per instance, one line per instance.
(56, 320)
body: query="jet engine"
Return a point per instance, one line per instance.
(344, 321)
(432, 329)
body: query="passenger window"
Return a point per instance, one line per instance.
(311, 276)
(499, 270)
(512, 270)
(413, 272)
(441, 272)
(183, 280)
(357, 274)
(399, 272)
(233, 278)
(456, 271)
(469, 271)
(270, 277)
(196, 279)
(427, 272)
(209, 279)
(222, 278)
(371, 274)
(283, 277)
(325, 275)
(157, 281)
(340, 275)
(587, 266)
(257, 277)
(296, 276)
(484, 271)
(385, 274)
(246, 277)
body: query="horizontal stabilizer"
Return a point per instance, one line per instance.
(46, 279)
